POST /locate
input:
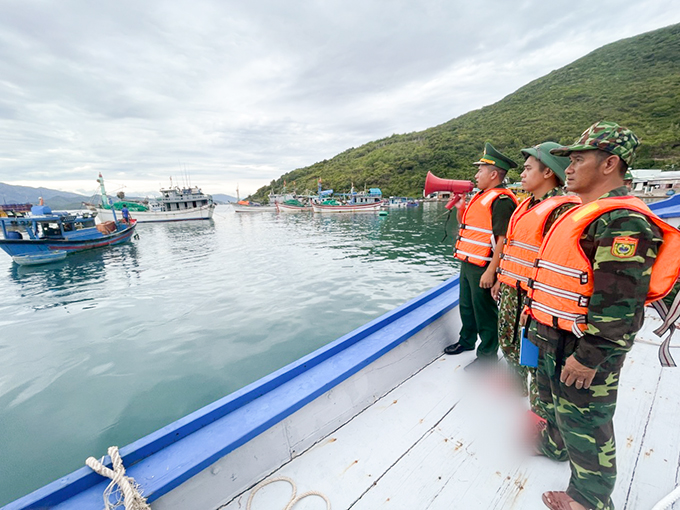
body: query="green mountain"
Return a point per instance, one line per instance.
(635, 82)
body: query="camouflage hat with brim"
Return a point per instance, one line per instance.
(605, 136)
(495, 158)
(558, 164)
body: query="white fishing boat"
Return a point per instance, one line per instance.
(174, 204)
(246, 206)
(381, 419)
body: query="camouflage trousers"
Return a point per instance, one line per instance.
(580, 425)
(510, 342)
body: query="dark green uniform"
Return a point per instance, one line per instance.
(478, 310)
(580, 421)
(511, 302)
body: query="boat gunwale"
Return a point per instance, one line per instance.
(85, 480)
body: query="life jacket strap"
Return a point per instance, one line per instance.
(564, 270)
(517, 260)
(524, 246)
(566, 294)
(472, 241)
(472, 255)
(669, 316)
(512, 275)
(476, 229)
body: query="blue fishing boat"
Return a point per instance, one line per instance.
(45, 236)
(380, 418)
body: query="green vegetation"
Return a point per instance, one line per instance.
(635, 82)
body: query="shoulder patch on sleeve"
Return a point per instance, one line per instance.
(624, 247)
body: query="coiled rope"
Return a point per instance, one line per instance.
(124, 489)
(293, 498)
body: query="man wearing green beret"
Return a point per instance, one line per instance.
(592, 277)
(481, 232)
(543, 177)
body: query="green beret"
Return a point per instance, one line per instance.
(558, 164)
(492, 157)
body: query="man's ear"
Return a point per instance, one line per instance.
(611, 164)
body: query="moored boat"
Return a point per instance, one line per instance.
(174, 204)
(380, 415)
(45, 236)
(353, 202)
(246, 206)
(293, 205)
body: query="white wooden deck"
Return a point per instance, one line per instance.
(447, 439)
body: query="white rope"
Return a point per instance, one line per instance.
(293, 499)
(668, 501)
(123, 488)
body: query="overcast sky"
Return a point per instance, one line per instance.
(241, 92)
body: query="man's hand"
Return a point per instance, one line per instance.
(496, 290)
(577, 374)
(488, 278)
(523, 318)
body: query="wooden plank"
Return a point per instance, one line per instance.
(447, 439)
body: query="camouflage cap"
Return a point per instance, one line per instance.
(558, 164)
(495, 158)
(606, 136)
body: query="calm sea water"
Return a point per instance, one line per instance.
(112, 344)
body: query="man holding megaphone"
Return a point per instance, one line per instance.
(482, 227)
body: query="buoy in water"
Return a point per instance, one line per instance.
(382, 213)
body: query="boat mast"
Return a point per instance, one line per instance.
(102, 190)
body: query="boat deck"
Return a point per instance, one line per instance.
(448, 439)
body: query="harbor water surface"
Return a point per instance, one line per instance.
(111, 344)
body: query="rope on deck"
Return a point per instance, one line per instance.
(124, 489)
(668, 501)
(293, 499)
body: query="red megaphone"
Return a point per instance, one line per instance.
(456, 188)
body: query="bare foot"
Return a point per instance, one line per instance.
(555, 500)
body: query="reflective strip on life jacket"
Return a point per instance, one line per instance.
(562, 283)
(524, 238)
(475, 240)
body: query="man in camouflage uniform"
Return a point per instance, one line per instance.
(543, 177)
(578, 378)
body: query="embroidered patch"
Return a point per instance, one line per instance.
(624, 247)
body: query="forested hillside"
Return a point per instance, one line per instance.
(635, 82)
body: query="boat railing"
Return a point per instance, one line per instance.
(245, 414)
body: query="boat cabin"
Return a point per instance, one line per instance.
(45, 224)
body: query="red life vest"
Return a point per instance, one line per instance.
(562, 285)
(473, 243)
(525, 235)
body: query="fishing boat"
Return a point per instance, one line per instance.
(247, 206)
(174, 204)
(352, 202)
(12, 210)
(668, 210)
(45, 236)
(401, 202)
(294, 205)
(380, 418)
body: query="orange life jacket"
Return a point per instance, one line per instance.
(524, 238)
(562, 285)
(475, 233)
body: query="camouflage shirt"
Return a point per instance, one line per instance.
(620, 285)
